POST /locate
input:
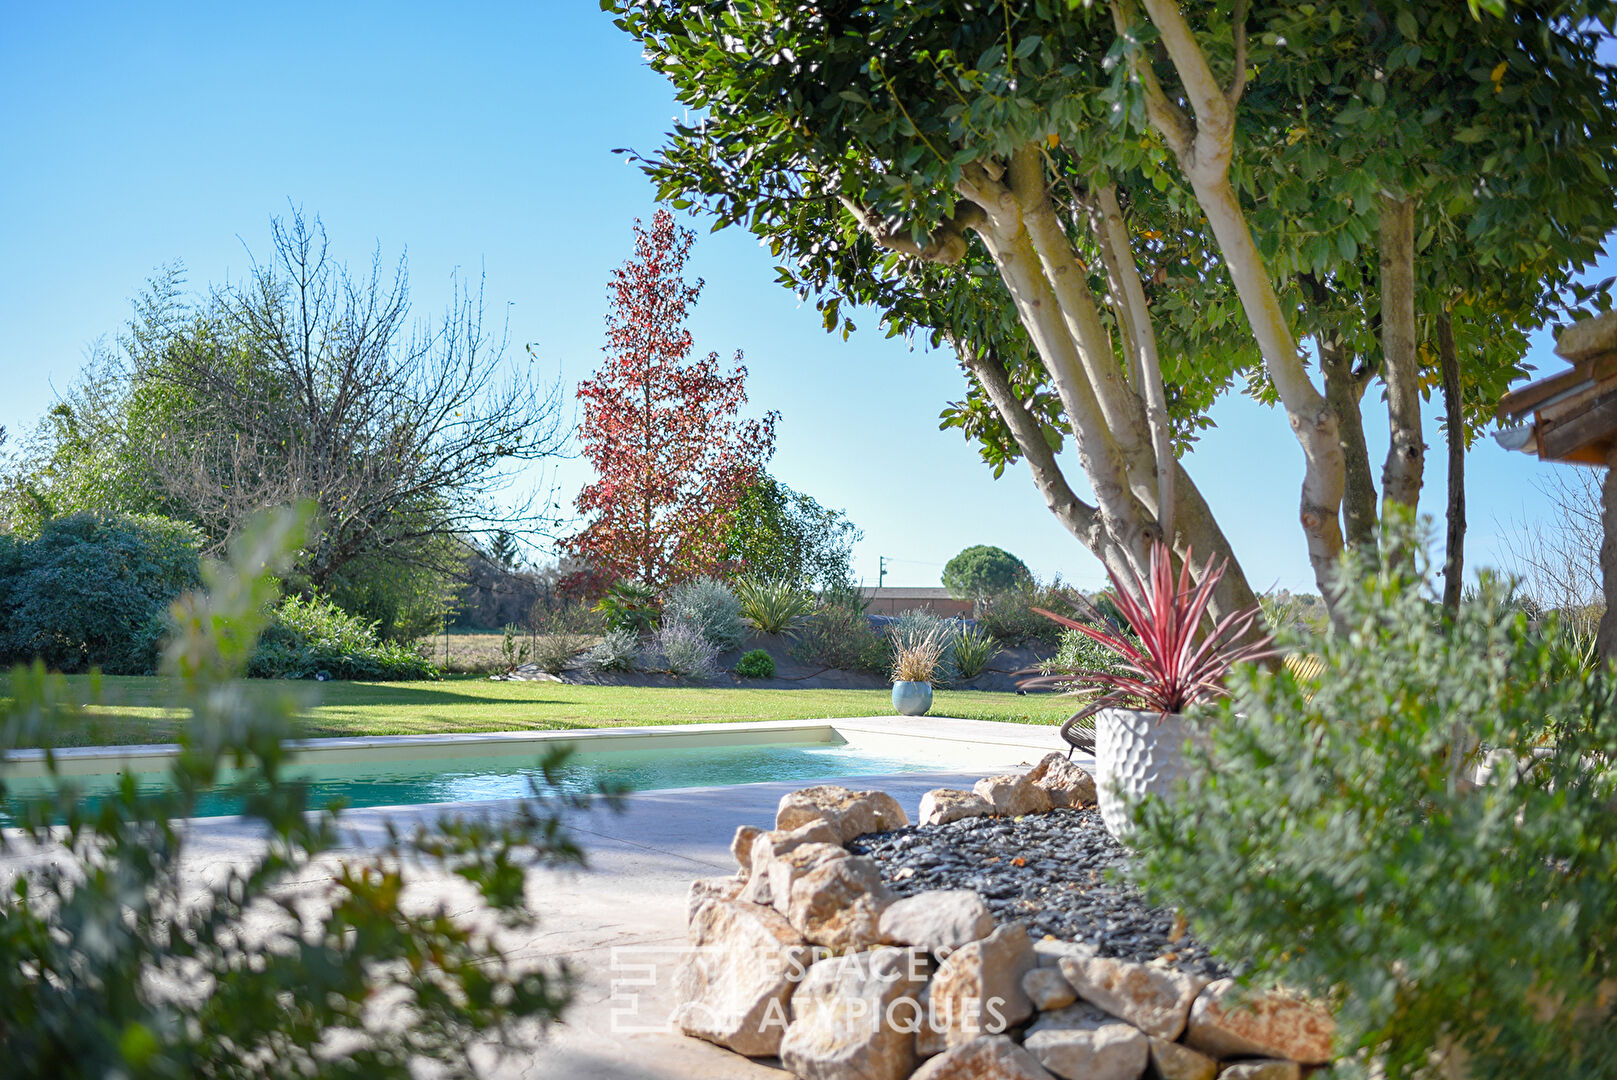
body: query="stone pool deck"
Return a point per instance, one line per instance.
(621, 922)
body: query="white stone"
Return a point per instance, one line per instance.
(734, 987)
(741, 847)
(782, 870)
(851, 813)
(709, 888)
(1082, 1043)
(943, 805)
(1174, 1061)
(1048, 989)
(839, 902)
(1012, 796)
(1154, 999)
(769, 845)
(1263, 1070)
(978, 990)
(991, 1057)
(854, 1017)
(1064, 782)
(940, 920)
(1228, 1021)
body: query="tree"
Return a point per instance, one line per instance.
(776, 532)
(983, 570)
(303, 381)
(1113, 213)
(662, 428)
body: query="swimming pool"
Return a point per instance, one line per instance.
(411, 770)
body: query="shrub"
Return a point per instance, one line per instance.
(974, 647)
(1338, 838)
(710, 608)
(756, 664)
(631, 605)
(91, 590)
(1011, 619)
(561, 633)
(1080, 652)
(918, 655)
(840, 636)
(308, 638)
(773, 605)
(513, 654)
(982, 571)
(619, 650)
(686, 652)
(911, 629)
(553, 652)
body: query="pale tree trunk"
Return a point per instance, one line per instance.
(1454, 422)
(1607, 640)
(1406, 453)
(1343, 392)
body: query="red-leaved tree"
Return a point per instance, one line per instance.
(662, 428)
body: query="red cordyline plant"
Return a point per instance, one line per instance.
(1166, 671)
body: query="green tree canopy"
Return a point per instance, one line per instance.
(780, 533)
(983, 570)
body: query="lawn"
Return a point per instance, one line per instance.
(131, 709)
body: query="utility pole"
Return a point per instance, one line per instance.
(881, 570)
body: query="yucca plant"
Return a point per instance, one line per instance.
(773, 605)
(1164, 669)
(974, 647)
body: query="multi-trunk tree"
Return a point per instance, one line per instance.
(672, 454)
(1115, 212)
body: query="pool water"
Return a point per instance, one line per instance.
(511, 776)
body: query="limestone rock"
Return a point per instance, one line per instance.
(734, 987)
(1263, 1070)
(1064, 782)
(710, 888)
(1051, 950)
(1048, 989)
(854, 1017)
(1227, 1021)
(991, 1057)
(1154, 999)
(1082, 1043)
(940, 920)
(741, 847)
(1172, 1061)
(978, 990)
(1012, 796)
(943, 805)
(1588, 337)
(851, 813)
(778, 858)
(838, 903)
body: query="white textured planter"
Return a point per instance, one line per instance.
(1137, 754)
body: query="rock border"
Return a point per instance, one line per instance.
(806, 954)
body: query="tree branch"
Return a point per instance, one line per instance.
(1238, 32)
(947, 245)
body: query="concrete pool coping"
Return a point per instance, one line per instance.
(888, 730)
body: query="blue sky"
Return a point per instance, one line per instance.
(478, 137)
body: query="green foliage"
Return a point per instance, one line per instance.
(1338, 838)
(707, 606)
(839, 635)
(982, 571)
(773, 605)
(974, 647)
(686, 652)
(114, 963)
(618, 650)
(629, 605)
(1080, 652)
(779, 533)
(90, 589)
(312, 638)
(513, 654)
(406, 600)
(756, 664)
(1010, 616)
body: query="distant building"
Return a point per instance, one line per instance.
(935, 599)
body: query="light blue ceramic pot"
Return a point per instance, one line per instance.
(912, 698)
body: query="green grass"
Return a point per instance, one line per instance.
(131, 709)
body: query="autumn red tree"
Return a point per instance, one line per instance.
(663, 428)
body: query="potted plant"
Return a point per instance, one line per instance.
(915, 664)
(1140, 724)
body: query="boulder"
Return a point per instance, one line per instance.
(854, 1017)
(943, 805)
(1229, 1021)
(741, 847)
(734, 987)
(769, 845)
(1048, 989)
(1051, 950)
(991, 1057)
(940, 920)
(1173, 1061)
(773, 875)
(838, 903)
(1012, 796)
(1082, 1043)
(709, 888)
(1263, 1070)
(1064, 782)
(1154, 999)
(978, 990)
(851, 813)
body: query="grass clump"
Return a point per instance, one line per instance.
(974, 647)
(756, 664)
(918, 655)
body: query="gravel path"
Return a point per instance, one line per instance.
(1049, 870)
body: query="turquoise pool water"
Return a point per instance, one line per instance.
(510, 776)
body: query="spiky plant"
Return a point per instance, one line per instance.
(974, 647)
(917, 657)
(1164, 669)
(773, 605)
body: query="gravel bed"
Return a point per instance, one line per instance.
(1049, 870)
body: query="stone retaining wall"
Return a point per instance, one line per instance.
(806, 955)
